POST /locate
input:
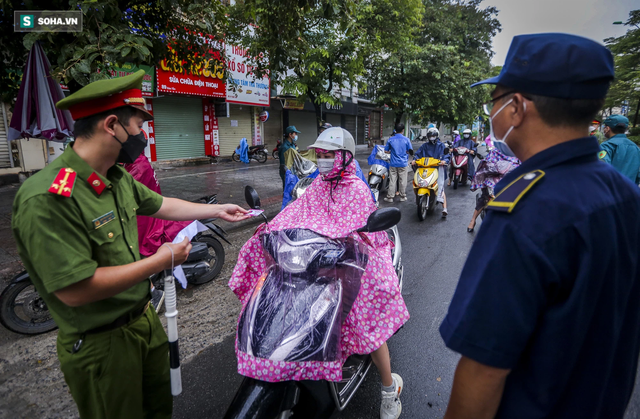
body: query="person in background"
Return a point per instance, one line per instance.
(547, 320)
(325, 126)
(618, 150)
(398, 146)
(436, 149)
(291, 136)
(456, 136)
(467, 142)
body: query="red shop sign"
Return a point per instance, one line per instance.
(188, 84)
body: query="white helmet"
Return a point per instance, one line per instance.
(433, 131)
(456, 132)
(467, 131)
(336, 138)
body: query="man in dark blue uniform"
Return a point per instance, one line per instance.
(548, 320)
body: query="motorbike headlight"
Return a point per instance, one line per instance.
(295, 259)
(422, 182)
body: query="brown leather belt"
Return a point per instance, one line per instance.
(122, 320)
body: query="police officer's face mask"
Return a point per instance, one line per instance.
(132, 147)
(492, 132)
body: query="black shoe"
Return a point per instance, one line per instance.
(470, 230)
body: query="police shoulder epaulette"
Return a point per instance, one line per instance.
(64, 182)
(508, 197)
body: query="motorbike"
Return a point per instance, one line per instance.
(379, 173)
(460, 166)
(276, 151)
(22, 309)
(300, 255)
(426, 185)
(256, 152)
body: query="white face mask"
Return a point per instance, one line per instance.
(466, 136)
(325, 165)
(492, 133)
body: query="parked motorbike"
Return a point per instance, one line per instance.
(23, 311)
(276, 151)
(379, 173)
(426, 185)
(256, 152)
(307, 399)
(460, 166)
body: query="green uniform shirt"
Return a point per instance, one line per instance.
(62, 240)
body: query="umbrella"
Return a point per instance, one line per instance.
(35, 114)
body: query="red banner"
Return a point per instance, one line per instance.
(211, 135)
(188, 84)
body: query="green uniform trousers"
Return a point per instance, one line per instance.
(122, 373)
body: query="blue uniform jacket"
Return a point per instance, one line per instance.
(399, 145)
(624, 155)
(554, 296)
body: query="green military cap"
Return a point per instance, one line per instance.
(617, 121)
(103, 95)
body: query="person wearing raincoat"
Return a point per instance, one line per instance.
(335, 205)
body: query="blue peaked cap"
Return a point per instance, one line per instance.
(556, 65)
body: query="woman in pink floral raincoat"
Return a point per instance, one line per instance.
(334, 205)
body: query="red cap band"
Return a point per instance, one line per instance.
(131, 97)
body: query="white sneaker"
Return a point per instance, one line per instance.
(404, 198)
(391, 406)
(444, 213)
(388, 200)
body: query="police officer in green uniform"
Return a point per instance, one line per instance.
(618, 150)
(75, 227)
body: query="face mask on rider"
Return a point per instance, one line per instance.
(325, 165)
(466, 136)
(493, 134)
(133, 146)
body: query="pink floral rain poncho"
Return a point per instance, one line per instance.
(334, 209)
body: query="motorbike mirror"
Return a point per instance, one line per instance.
(252, 198)
(411, 152)
(381, 219)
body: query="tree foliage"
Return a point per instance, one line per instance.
(114, 32)
(315, 49)
(431, 78)
(626, 51)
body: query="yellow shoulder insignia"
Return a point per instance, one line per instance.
(64, 182)
(508, 197)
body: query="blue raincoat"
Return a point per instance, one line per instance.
(243, 151)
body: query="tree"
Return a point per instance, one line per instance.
(626, 50)
(432, 79)
(315, 49)
(114, 32)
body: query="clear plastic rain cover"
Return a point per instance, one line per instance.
(299, 304)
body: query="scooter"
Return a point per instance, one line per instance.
(379, 172)
(23, 311)
(257, 399)
(276, 151)
(426, 185)
(256, 152)
(460, 166)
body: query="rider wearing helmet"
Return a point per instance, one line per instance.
(468, 142)
(335, 205)
(324, 127)
(456, 136)
(436, 149)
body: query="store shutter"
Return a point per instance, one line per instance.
(360, 137)
(333, 119)
(273, 128)
(230, 136)
(178, 127)
(350, 124)
(305, 122)
(5, 150)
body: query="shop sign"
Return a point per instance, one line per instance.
(242, 87)
(126, 70)
(204, 79)
(297, 104)
(264, 116)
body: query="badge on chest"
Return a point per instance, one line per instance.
(103, 219)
